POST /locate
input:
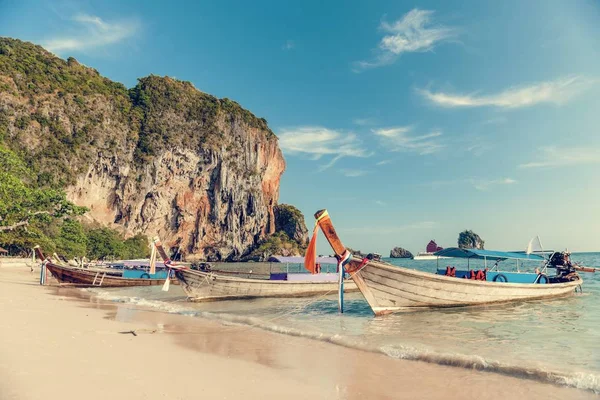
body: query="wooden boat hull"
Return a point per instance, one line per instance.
(83, 278)
(206, 286)
(389, 289)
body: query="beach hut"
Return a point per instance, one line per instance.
(3, 252)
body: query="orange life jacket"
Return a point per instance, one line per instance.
(450, 271)
(480, 276)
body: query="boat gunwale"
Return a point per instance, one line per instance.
(453, 280)
(108, 278)
(250, 280)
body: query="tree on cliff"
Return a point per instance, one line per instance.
(22, 203)
(290, 220)
(470, 240)
(290, 237)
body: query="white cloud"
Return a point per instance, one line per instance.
(555, 92)
(316, 141)
(364, 121)
(477, 183)
(288, 45)
(485, 184)
(414, 32)
(384, 162)
(353, 173)
(564, 156)
(398, 139)
(380, 203)
(92, 32)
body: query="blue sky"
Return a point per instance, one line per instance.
(409, 121)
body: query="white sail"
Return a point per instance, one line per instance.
(535, 244)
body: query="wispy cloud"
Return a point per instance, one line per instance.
(564, 156)
(555, 92)
(364, 121)
(486, 184)
(414, 32)
(399, 139)
(288, 45)
(478, 149)
(478, 183)
(384, 162)
(317, 142)
(476, 144)
(91, 32)
(353, 173)
(494, 121)
(380, 203)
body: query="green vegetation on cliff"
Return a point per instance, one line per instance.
(31, 215)
(147, 115)
(290, 220)
(277, 244)
(26, 210)
(158, 104)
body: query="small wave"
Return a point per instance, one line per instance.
(579, 380)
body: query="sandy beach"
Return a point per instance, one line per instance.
(61, 343)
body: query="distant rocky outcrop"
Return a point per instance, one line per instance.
(290, 220)
(162, 158)
(399, 252)
(470, 240)
(290, 239)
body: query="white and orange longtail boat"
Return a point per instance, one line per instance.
(203, 286)
(389, 288)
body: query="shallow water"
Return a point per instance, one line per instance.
(554, 340)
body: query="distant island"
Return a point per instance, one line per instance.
(399, 252)
(470, 240)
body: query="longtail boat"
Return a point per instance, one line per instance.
(389, 288)
(209, 286)
(73, 276)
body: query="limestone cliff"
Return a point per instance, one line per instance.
(161, 159)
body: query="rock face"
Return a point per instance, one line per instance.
(399, 252)
(161, 159)
(470, 240)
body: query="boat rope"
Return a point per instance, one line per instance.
(362, 264)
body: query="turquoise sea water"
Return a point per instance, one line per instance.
(556, 341)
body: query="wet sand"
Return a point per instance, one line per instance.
(60, 343)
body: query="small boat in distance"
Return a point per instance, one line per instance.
(428, 254)
(389, 288)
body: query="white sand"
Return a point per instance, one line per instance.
(60, 344)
